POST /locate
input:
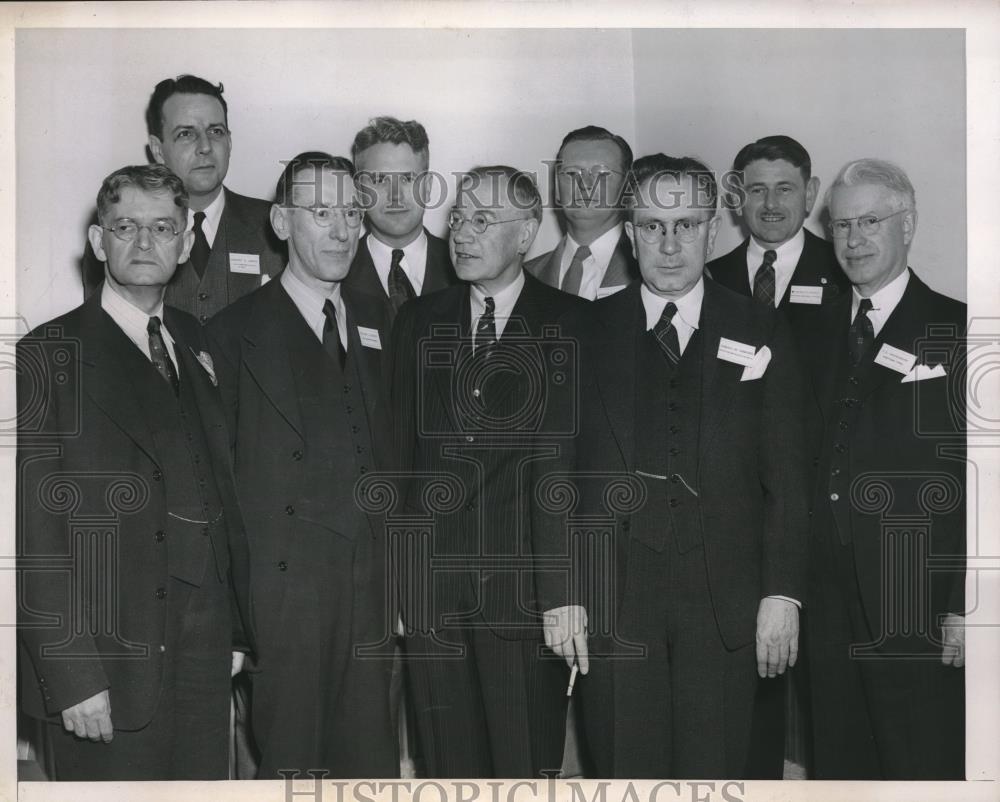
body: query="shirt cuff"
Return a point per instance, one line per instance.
(796, 602)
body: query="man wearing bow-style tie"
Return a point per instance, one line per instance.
(887, 427)
(133, 588)
(693, 395)
(398, 258)
(781, 264)
(301, 369)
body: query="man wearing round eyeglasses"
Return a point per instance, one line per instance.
(301, 367)
(474, 371)
(692, 395)
(133, 671)
(594, 258)
(886, 628)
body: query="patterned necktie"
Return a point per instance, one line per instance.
(331, 335)
(159, 355)
(763, 280)
(200, 250)
(486, 328)
(666, 334)
(574, 276)
(400, 289)
(861, 335)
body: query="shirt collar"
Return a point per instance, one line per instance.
(127, 315)
(688, 306)
(213, 214)
(310, 302)
(601, 249)
(503, 302)
(884, 301)
(787, 257)
(413, 264)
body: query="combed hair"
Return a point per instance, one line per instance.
(389, 130)
(594, 133)
(773, 148)
(181, 85)
(676, 167)
(880, 173)
(147, 177)
(521, 186)
(311, 158)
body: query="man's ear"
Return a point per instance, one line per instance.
(713, 230)
(279, 221)
(812, 192)
(909, 226)
(156, 148)
(188, 239)
(95, 234)
(630, 233)
(529, 229)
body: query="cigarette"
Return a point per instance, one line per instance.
(572, 679)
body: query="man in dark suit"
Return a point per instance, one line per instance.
(781, 264)
(130, 541)
(234, 250)
(594, 258)
(886, 629)
(690, 403)
(492, 705)
(301, 371)
(398, 259)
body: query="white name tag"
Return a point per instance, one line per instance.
(244, 263)
(604, 292)
(804, 294)
(895, 359)
(736, 352)
(369, 337)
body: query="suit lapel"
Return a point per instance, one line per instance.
(827, 349)
(719, 377)
(232, 237)
(438, 272)
(621, 268)
(549, 272)
(622, 316)
(741, 271)
(368, 311)
(523, 322)
(451, 310)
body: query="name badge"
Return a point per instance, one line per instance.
(895, 359)
(604, 292)
(369, 337)
(244, 263)
(736, 352)
(805, 294)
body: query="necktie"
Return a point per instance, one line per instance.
(331, 335)
(666, 334)
(400, 289)
(861, 335)
(763, 280)
(200, 249)
(486, 328)
(159, 355)
(574, 276)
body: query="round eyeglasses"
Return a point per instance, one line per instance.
(479, 222)
(653, 231)
(324, 215)
(127, 230)
(868, 224)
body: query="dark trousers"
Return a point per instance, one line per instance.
(876, 717)
(188, 736)
(684, 708)
(498, 710)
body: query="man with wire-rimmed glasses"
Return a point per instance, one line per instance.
(300, 364)
(128, 516)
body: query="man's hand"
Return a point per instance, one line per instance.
(953, 634)
(566, 634)
(777, 636)
(238, 658)
(90, 718)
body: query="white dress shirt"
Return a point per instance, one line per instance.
(414, 262)
(688, 311)
(310, 303)
(503, 303)
(133, 321)
(213, 214)
(595, 266)
(883, 302)
(787, 257)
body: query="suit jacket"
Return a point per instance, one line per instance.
(622, 269)
(899, 435)
(486, 441)
(81, 424)
(751, 456)
(817, 267)
(438, 272)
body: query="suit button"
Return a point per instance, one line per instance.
(354, 429)
(675, 429)
(470, 507)
(160, 534)
(470, 439)
(157, 475)
(350, 409)
(161, 593)
(675, 478)
(853, 380)
(672, 406)
(347, 389)
(815, 461)
(204, 531)
(202, 296)
(626, 525)
(835, 472)
(296, 455)
(810, 513)
(163, 648)
(835, 497)
(840, 448)
(202, 318)
(674, 502)
(282, 566)
(289, 510)
(360, 449)
(842, 424)
(363, 469)
(476, 393)
(674, 451)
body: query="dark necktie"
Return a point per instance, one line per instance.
(159, 355)
(574, 276)
(200, 250)
(486, 328)
(331, 335)
(861, 335)
(400, 289)
(666, 334)
(763, 280)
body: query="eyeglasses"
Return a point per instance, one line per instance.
(868, 224)
(324, 215)
(684, 230)
(576, 173)
(479, 222)
(162, 231)
(374, 178)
